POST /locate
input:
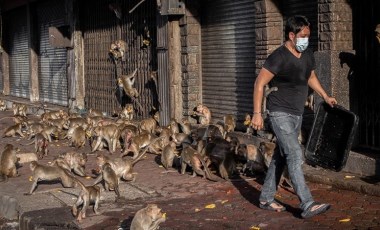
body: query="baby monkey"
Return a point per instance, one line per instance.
(203, 113)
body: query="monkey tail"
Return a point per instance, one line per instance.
(4, 118)
(28, 143)
(145, 150)
(209, 175)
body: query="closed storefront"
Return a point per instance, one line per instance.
(52, 61)
(17, 46)
(104, 22)
(228, 57)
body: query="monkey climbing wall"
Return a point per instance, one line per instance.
(104, 22)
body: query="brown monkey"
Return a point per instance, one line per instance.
(185, 126)
(247, 123)
(8, 163)
(173, 126)
(76, 121)
(126, 82)
(110, 133)
(19, 109)
(203, 114)
(48, 131)
(118, 50)
(148, 218)
(3, 105)
(190, 156)
(229, 122)
(111, 180)
(72, 161)
(58, 122)
(150, 124)
(267, 151)
(267, 91)
(377, 31)
(252, 158)
(94, 113)
(138, 142)
(87, 196)
(50, 115)
(49, 173)
(168, 154)
(77, 136)
(40, 145)
(127, 112)
(13, 130)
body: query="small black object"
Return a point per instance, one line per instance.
(331, 137)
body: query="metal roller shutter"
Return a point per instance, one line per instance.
(52, 69)
(101, 27)
(228, 57)
(1, 75)
(16, 41)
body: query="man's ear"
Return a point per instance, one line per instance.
(292, 36)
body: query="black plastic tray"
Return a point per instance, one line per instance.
(331, 137)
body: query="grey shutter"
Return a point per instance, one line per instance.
(17, 45)
(52, 69)
(228, 57)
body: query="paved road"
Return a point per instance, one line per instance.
(234, 204)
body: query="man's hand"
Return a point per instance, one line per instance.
(330, 100)
(257, 121)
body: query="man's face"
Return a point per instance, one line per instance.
(304, 33)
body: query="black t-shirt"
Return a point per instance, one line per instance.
(291, 77)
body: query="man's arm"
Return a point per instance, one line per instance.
(317, 87)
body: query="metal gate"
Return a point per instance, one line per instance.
(366, 75)
(228, 57)
(52, 62)
(102, 23)
(17, 45)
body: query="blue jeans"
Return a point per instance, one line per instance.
(288, 151)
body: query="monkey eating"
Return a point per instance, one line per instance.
(118, 50)
(148, 218)
(19, 109)
(72, 161)
(203, 114)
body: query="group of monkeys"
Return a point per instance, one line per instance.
(203, 147)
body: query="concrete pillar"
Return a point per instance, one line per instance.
(335, 49)
(5, 68)
(175, 72)
(33, 59)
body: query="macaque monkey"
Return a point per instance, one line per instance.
(3, 105)
(252, 158)
(8, 163)
(72, 161)
(185, 126)
(17, 119)
(229, 122)
(148, 218)
(126, 82)
(181, 138)
(190, 157)
(267, 151)
(309, 103)
(377, 31)
(13, 130)
(33, 129)
(48, 131)
(58, 122)
(76, 121)
(111, 181)
(40, 145)
(138, 142)
(267, 91)
(87, 196)
(150, 124)
(203, 114)
(19, 109)
(77, 136)
(168, 154)
(127, 112)
(122, 167)
(118, 50)
(248, 124)
(50, 115)
(49, 173)
(110, 133)
(173, 126)
(95, 113)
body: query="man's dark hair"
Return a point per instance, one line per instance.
(295, 24)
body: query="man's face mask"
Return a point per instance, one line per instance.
(302, 44)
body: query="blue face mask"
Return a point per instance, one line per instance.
(302, 44)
